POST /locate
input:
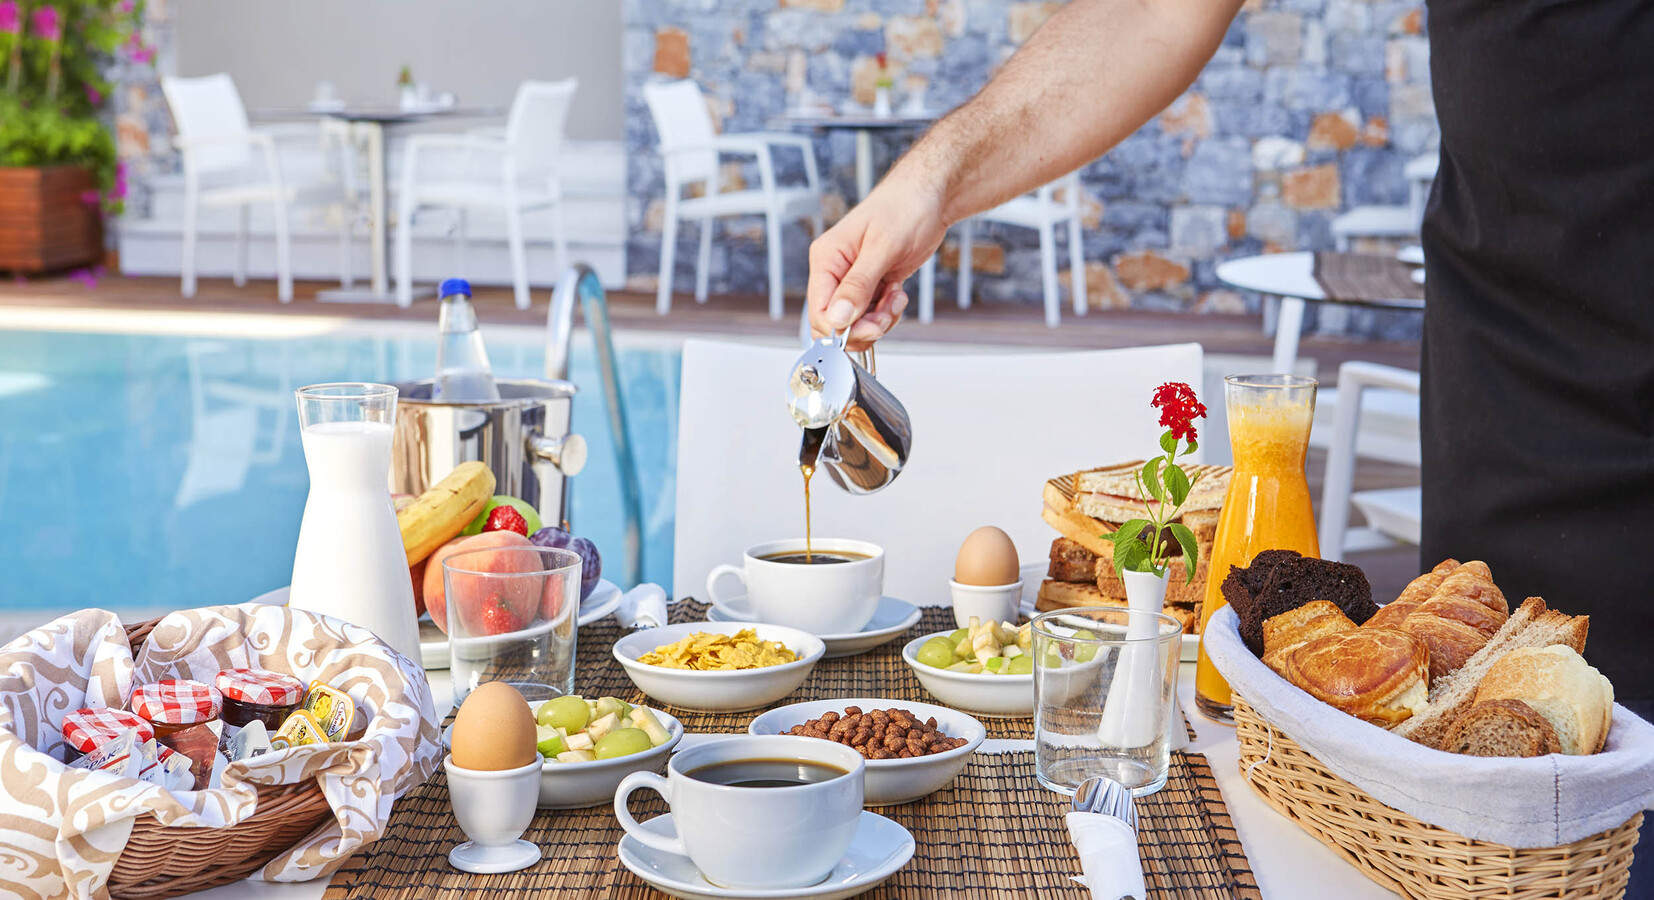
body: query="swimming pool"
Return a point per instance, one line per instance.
(145, 472)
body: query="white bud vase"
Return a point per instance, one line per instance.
(1130, 712)
(881, 102)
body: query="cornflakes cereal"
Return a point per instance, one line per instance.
(705, 652)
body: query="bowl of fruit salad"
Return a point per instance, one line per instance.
(985, 668)
(590, 745)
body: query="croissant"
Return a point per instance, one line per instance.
(1459, 618)
(1392, 614)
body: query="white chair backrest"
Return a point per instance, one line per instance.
(682, 120)
(988, 431)
(534, 129)
(209, 106)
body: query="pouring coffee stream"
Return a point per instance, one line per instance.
(853, 426)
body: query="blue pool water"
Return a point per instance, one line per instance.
(156, 472)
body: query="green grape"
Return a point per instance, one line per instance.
(1020, 665)
(1052, 659)
(957, 636)
(622, 742)
(1085, 652)
(569, 713)
(936, 653)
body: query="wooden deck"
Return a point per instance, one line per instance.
(736, 316)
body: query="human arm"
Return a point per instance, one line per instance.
(1093, 74)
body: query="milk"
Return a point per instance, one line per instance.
(350, 562)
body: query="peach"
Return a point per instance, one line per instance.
(417, 573)
(524, 608)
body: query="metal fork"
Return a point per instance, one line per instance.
(1099, 794)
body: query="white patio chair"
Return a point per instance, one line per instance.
(1393, 514)
(737, 450)
(1390, 221)
(522, 161)
(229, 163)
(1042, 211)
(692, 148)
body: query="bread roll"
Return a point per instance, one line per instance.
(1502, 728)
(1292, 628)
(1419, 590)
(1378, 675)
(1557, 683)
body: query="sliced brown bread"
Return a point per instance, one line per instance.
(1531, 625)
(1502, 728)
(1059, 513)
(1071, 562)
(1063, 594)
(1179, 589)
(1240, 587)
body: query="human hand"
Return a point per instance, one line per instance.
(857, 267)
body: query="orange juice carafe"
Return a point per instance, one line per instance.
(1267, 506)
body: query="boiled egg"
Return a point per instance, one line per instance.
(987, 558)
(494, 730)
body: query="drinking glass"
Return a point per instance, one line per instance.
(512, 615)
(1267, 506)
(1105, 683)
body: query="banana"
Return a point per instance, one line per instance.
(441, 513)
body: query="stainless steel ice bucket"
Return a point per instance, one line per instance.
(524, 438)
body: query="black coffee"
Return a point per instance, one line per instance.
(764, 773)
(818, 558)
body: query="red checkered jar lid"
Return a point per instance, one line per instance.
(88, 729)
(176, 701)
(259, 686)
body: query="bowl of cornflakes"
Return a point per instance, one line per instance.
(719, 666)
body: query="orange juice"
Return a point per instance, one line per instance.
(1267, 506)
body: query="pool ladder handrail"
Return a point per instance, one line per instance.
(580, 282)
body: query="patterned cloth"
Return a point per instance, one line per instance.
(83, 660)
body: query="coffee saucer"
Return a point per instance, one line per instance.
(879, 849)
(892, 619)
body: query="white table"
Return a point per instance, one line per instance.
(864, 124)
(1291, 277)
(1288, 863)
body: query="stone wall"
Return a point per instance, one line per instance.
(1308, 108)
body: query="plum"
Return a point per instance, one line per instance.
(591, 564)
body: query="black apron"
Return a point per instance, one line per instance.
(1537, 412)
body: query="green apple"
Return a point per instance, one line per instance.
(549, 741)
(530, 515)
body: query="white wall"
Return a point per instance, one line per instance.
(479, 49)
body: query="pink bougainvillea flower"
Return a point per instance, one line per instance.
(93, 95)
(144, 55)
(128, 5)
(46, 24)
(10, 21)
(90, 198)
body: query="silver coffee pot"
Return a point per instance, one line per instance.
(853, 426)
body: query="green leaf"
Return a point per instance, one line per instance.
(1150, 477)
(1192, 446)
(1177, 484)
(1167, 442)
(1135, 528)
(1130, 555)
(1191, 547)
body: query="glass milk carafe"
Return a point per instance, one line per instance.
(350, 562)
(1267, 506)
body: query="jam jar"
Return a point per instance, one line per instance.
(256, 695)
(181, 712)
(85, 730)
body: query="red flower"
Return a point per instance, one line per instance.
(1178, 408)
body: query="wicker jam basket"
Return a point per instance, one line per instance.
(160, 862)
(1413, 858)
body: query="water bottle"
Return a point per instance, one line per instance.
(462, 371)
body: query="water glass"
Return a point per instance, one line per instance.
(512, 615)
(1105, 689)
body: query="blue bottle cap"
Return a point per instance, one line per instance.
(452, 286)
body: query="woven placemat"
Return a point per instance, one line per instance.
(994, 833)
(1365, 278)
(879, 672)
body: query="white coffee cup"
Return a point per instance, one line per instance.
(823, 598)
(754, 837)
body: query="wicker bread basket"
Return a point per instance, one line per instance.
(160, 862)
(1413, 858)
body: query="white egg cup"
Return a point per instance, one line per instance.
(494, 809)
(997, 603)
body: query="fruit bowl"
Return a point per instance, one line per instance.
(574, 785)
(724, 691)
(995, 696)
(891, 781)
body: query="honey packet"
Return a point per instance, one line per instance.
(301, 729)
(332, 708)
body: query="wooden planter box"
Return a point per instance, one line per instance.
(44, 224)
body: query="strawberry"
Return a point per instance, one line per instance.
(497, 618)
(506, 518)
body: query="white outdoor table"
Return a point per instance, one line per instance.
(367, 125)
(1287, 862)
(1290, 276)
(864, 124)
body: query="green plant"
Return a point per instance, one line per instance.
(1164, 482)
(52, 88)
